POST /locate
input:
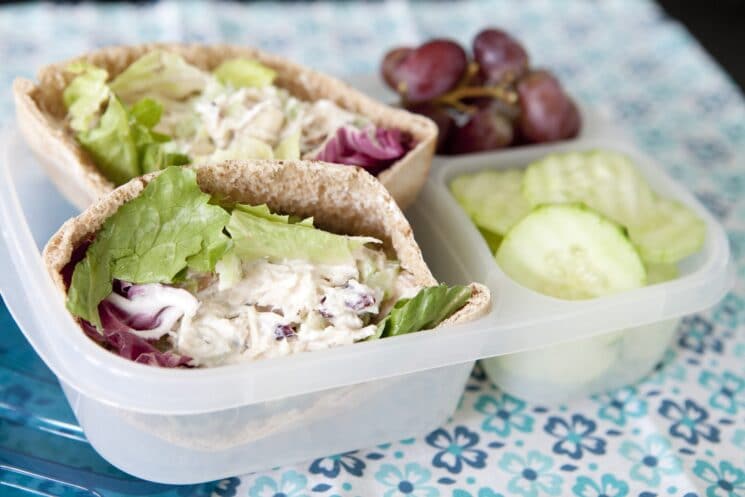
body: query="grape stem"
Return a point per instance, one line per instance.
(453, 98)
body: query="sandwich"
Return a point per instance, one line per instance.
(112, 115)
(248, 260)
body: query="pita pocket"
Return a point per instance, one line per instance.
(248, 260)
(44, 121)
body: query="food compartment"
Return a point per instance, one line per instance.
(558, 373)
(193, 426)
(632, 329)
(201, 447)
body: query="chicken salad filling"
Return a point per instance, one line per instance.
(162, 111)
(209, 284)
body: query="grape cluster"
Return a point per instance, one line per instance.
(494, 101)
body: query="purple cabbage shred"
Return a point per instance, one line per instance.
(122, 329)
(371, 148)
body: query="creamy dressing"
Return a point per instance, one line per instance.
(318, 123)
(223, 118)
(277, 309)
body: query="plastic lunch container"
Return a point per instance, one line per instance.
(184, 426)
(644, 319)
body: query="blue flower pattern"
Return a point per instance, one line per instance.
(697, 335)
(332, 466)
(482, 492)
(652, 460)
(690, 421)
(730, 312)
(607, 486)
(575, 436)
(728, 391)
(411, 480)
(290, 484)
(532, 475)
(503, 414)
(226, 487)
(457, 449)
(621, 406)
(678, 432)
(724, 480)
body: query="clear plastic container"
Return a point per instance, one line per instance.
(183, 426)
(575, 368)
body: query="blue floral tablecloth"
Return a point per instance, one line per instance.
(681, 431)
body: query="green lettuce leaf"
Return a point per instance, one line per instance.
(228, 270)
(304, 221)
(214, 247)
(147, 112)
(243, 148)
(124, 145)
(143, 116)
(383, 278)
(154, 158)
(424, 311)
(111, 144)
(241, 73)
(151, 239)
(263, 212)
(161, 74)
(85, 94)
(255, 237)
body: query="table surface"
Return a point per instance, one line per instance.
(681, 431)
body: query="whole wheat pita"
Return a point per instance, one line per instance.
(41, 116)
(340, 199)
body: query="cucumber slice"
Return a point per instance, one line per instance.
(492, 199)
(664, 231)
(660, 273)
(669, 233)
(603, 180)
(570, 252)
(561, 366)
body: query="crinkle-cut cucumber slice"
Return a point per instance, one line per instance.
(570, 252)
(603, 180)
(664, 231)
(669, 233)
(660, 273)
(492, 199)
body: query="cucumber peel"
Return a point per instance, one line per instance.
(492, 239)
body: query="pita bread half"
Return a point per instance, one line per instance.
(41, 115)
(340, 199)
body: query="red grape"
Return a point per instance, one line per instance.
(391, 63)
(487, 129)
(431, 70)
(440, 116)
(509, 110)
(500, 57)
(546, 111)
